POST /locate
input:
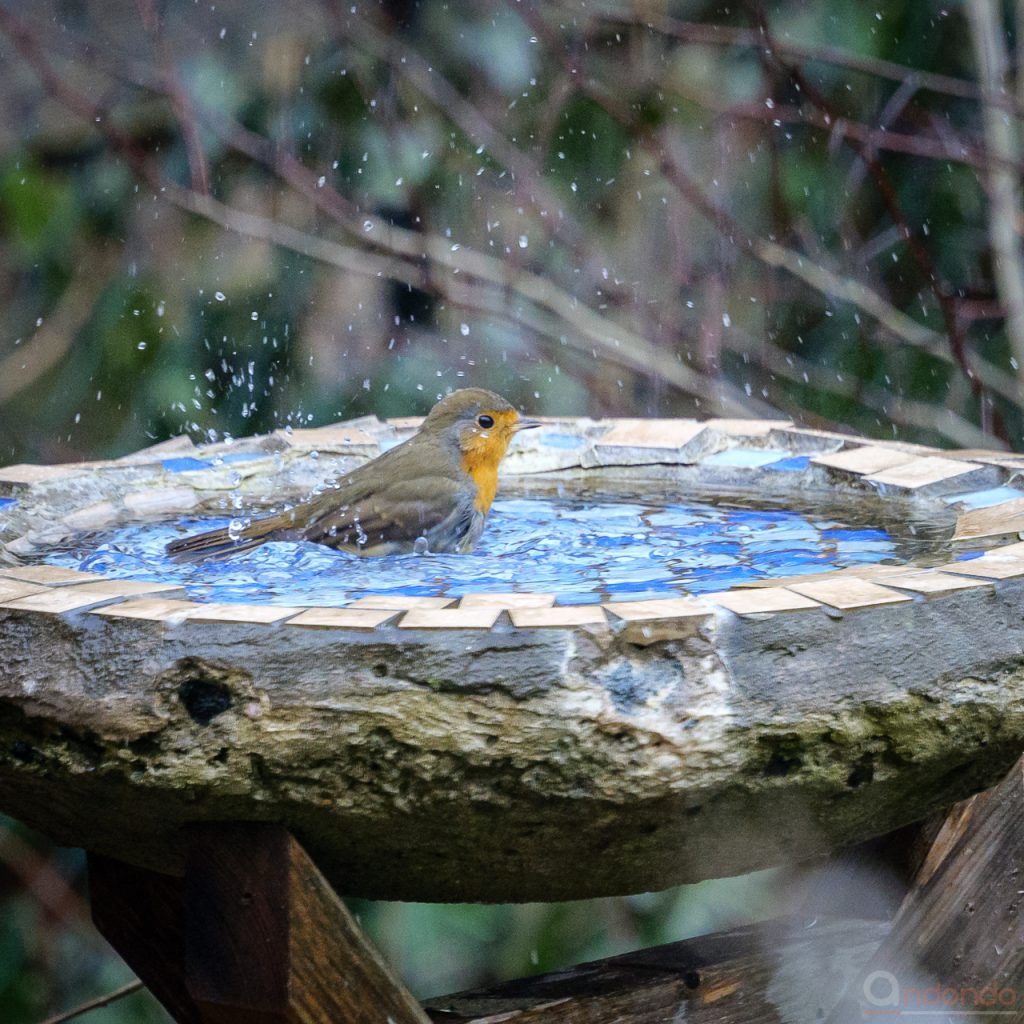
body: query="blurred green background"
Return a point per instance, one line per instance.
(227, 218)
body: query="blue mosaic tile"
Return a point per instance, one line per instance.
(234, 457)
(184, 465)
(985, 498)
(580, 551)
(794, 464)
(562, 441)
(746, 458)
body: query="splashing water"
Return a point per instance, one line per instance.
(592, 551)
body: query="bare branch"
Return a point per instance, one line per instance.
(988, 36)
(96, 1004)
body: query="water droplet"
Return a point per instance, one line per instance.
(420, 546)
(219, 296)
(464, 330)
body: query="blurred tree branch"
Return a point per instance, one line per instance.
(1001, 136)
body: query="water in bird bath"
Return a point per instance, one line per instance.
(581, 550)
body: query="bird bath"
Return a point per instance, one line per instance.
(682, 650)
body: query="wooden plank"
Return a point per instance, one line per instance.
(559, 617)
(989, 567)
(57, 600)
(50, 575)
(785, 970)
(863, 459)
(932, 583)
(450, 618)
(958, 932)
(507, 601)
(140, 914)
(360, 619)
(264, 614)
(400, 602)
(764, 601)
(849, 594)
(994, 521)
(267, 941)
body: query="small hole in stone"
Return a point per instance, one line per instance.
(863, 771)
(204, 699)
(691, 979)
(380, 669)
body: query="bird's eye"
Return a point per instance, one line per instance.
(485, 421)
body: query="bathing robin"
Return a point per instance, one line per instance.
(430, 493)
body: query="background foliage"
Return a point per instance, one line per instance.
(226, 218)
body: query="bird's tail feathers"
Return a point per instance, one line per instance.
(215, 545)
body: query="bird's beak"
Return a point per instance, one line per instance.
(524, 425)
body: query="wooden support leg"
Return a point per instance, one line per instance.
(252, 934)
(957, 943)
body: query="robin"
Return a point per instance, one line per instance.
(430, 493)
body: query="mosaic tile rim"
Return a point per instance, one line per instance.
(978, 482)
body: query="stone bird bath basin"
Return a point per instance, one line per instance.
(504, 747)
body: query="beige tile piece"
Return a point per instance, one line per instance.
(334, 436)
(12, 589)
(746, 428)
(262, 614)
(658, 608)
(56, 600)
(989, 567)
(343, 618)
(849, 594)
(864, 459)
(161, 501)
(997, 458)
(26, 474)
(1013, 550)
(867, 572)
(558, 617)
(925, 472)
(406, 422)
(51, 575)
(932, 583)
(507, 601)
(649, 622)
(450, 618)
(994, 521)
(156, 609)
(636, 442)
(401, 602)
(651, 433)
(765, 601)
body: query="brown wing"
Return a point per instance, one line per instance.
(395, 514)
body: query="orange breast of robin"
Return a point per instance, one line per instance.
(482, 452)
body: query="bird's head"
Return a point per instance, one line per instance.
(481, 425)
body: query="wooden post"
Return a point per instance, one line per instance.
(252, 934)
(957, 943)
